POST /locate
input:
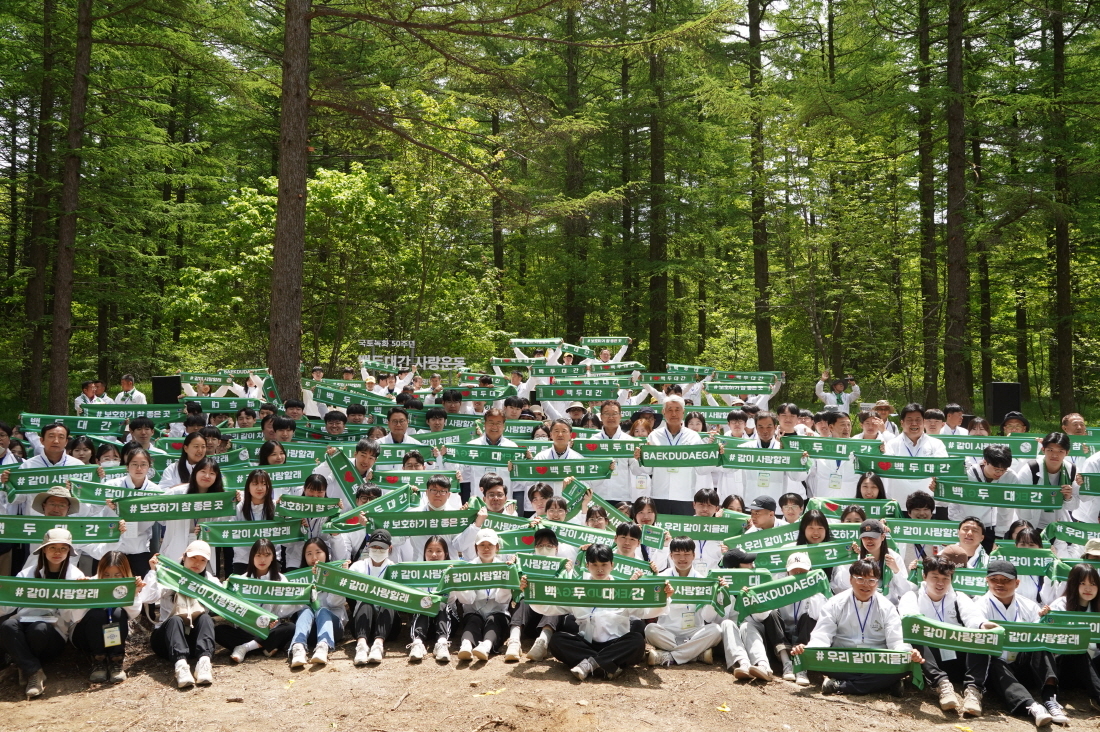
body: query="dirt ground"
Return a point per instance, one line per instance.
(398, 696)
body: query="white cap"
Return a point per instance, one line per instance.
(197, 548)
(799, 560)
(488, 535)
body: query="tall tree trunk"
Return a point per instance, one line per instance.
(658, 215)
(1023, 368)
(14, 216)
(65, 265)
(929, 264)
(284, 354)
(630, 314)
(498, 236)
(765, 354)
(955, 350)
(985, 327)
(575, 224)
(1063, 314)
(701, 300)
(37, 246)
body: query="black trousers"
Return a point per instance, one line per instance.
(622, 652)
(88, 633)
(371, 621)
(674, 508)
(139, 563)
(531, 622)
(1079, 671)
(240, 568)
(866, 683)
(278, 638)
(969, 669)
(431, 629)
(1009, 680)
(176, 639)
(30, 644)
(477, 628)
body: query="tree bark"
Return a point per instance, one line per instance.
(1023, 368)
(955, 350)
(765, 354)
(575, 224)
(284, 353)
(498, 236)
(658, 215)
(926, 193)
(65, 265)
(1063, 314)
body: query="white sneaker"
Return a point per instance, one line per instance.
(442, 650)
(238, 654)
(465, 651)
(184, 678)
(742, 671)
(760, 672)
(584, 669)
(320, 654)
(788, 671)
(658, 658)
(482, 651)
(297, 655)
(37, 684)
(376, 652)
(1039, 714)
(948, 699)
(512, 651)
(540, 649)
(204, 674)
(706, 657)
(417, 652)
(802, 679)
(361, 652)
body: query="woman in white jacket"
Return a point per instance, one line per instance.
(194, 450)
(99, 625)
(262, 565)
(485, 613)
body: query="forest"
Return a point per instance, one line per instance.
(904, 190)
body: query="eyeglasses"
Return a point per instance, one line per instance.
(438, 491)
(865, 580)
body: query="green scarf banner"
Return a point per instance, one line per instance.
(1091, 484)
(534, 565)
(76, 425)
(1071, 532)
(391, 454)
(755, 458)
(699, 591)
(559, 370)
(666, 378)
(577, 535)
(499, 521)
(422, 575)
(621, 449)
(176, 507)
(32, 529)
(1076, 619)
(422, 523)
(345, 397)
(244, 433)
(1059, 571)
(849, 533)
(535, 342)
(619, 382)
(222, 405)
(586, 393)
(487, 393)
(825, 554)
(380, 366)
(377, 591)
(918, 630)
(516, 540)
(767, 539)
(494, 361)
(968, 580)
(614, 368)
(316, 435)
(858, 661)
(417, 478)
(38, 480)
(159, 413)
(307, 507)
(557, 470)
(680, 456)
(488, 456)
(739, 579)
(831, 448)
(467, 577)
(910, 468)
(190, 377)
(769, 376)
(675, 368)
(740, 387)
(604, 341)
(298, 453)
(874, 508)
(973, 445)
(521, 428)
(97, 494)
(245, 533)
(282, 476)
(271, 391)
(238, 611)
(704, 528)
(395, 501)
(446, 437)
(260, 371)
(782, 592)
(66, 594)
(923, 531)
(1001, 495)
(233, 457)
(1024, 637)
(578, 350)
(345, 474)
(1028, 562)
(623, 567)
(270, 592)
(641, 593)
(470, 379)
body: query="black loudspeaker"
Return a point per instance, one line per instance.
(167, 389)
(1001, 397)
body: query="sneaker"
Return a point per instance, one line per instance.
(238, 654)
(972, 702)
(706, 657)
(1057, 713)
(320, 654)
(616, 673)
(802, 679)
(830, 686)
(204, 674)
(1039, 714)
(184, 678)
(659, 658)
(297, 655)
(948, 700)
(584, 669)
(99, 672)
(115, 673)
(377, 652)
(788, 671)
(465, 651)
(540, 649)
(442, 650)
(897, 689)
(36, 684)
(512, 651)
(417, 650)
(760, 672)
(742, 671)
(482, 650)
(361, 652)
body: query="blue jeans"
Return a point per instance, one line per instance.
(322, 625)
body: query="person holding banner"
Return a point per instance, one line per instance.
(798, 620)
(1053, 470)
(673, 488)
(872, 546)
(994, 467)
(772, 483)
(485, 613)
(262, 565)
(33, 636)
(834, 478)
(494, 437)
(837, 397)
(101, 633)
(55, 437)
(364, 459)
(934, 598)
(179, 472)
(258, 504)
(1082, 595)
(687, 632)
(129, 395)
(860, 617)
(912, 442)
(617, 487)
(561, 437)
(527, 621)
(373, 621)
(136, 538)
(1009, 672)
(205, 477)
(185, 629)
(971, 534)
(323, 621)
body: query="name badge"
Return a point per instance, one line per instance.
(112, 635)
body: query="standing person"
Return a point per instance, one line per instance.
(912, 442)
(837, 397)
(101, 634)
(86, 396)
(185, 630)
(831, 478)
(673, 488)
(1053, 470)
(493, 437)
(952, 420)
(771, 483)
(561, 436)
(262, 565)
(883, 409)
(618, 486)
(129, 395)
(860, 617)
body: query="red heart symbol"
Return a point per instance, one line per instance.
(315, 436)
(559, 392)
(348, 477)
(353, 520)
(884, 466)
(528, 540)
(271, 393)
(541, 470)
(391, 478)
(177, 445)
(591, 447)
(465, 393)
(577, 383)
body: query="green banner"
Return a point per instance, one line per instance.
(487, 393)
(176, 507)
(422, 575)
(345, 398)
(298, 453)
(469, 379)
(77, 425)
(289, 506)
(32, 529)
(576, 350)
(858, 661)
(1071, 532)
(535, 566)
(371, 365)
(218, 405)
(680, 456)
(740, 387)
(418, 478)
(1001, 495)
(345, 474)
(422, 523)
(911, 468)
(245, 533)
(97, 494)
(557, 470)
(577, 535)
(377, 591)
(471, 577)
(446, 437)
(826, 554)
(1023, 637)
(739, 579)
(766, 539)
(535, 342)
(1059, 571)
(1028, 562)
(614, 368)
(494, 361)
(674, 368)
(244, 433)
(38, 480)
(270, 592)
(968, 580)
(489, 456)
(703, 528)
(830, 448)
(159, 413)
(516, 540)
(919, 630)
(282, 476)
(923, 531)
(1024, 448)
(622, 568)
(233, 608)
(604, 341)
(66, 594)
(395, 501)
(559, 370)
(259, 371)
(699, 591)
(587, 393)
(1091, 484)
(755, 458)
(782, 592)
(768, 376)
(874, 508)
(666, 378)
(1076, 619)
(318, 436)
(607, 448)
(641, 593)
(191, 377)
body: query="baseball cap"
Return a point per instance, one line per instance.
(762, 503)
(488, 535)
(737, 557)
(198, 548)
(871, 528)
(799, 560)
(380, 537)
(1001, 568)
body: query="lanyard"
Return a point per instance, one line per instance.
(555, 456)
(939, 610)
(863, 621)
(1003, 617)
(911, 453)
(797, 607)
(679, 437)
